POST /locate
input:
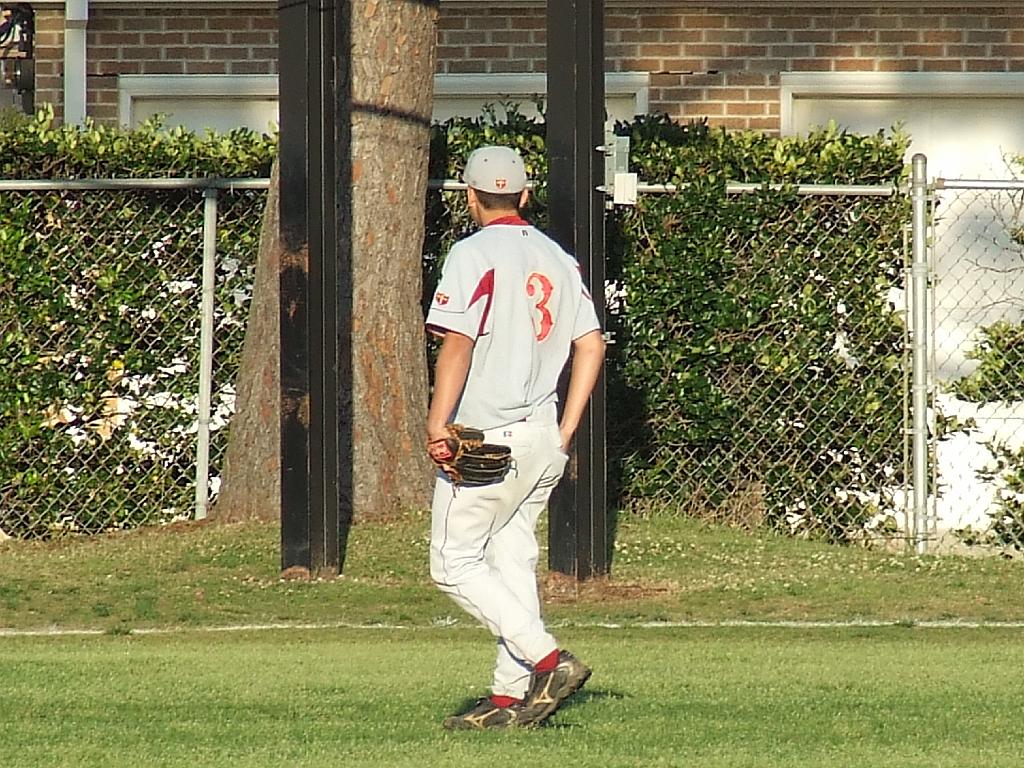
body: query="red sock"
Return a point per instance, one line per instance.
(504, 701)
(548, 663)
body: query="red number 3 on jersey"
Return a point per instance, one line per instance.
(539, 288)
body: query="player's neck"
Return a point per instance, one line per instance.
(500, 217)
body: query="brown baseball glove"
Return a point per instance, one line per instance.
(467, 459)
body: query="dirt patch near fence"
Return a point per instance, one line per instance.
(559, 588)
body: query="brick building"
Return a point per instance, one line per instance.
(760, 64)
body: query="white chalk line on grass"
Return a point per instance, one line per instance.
(274, 627)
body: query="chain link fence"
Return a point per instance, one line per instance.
(762, 373)
(977, 365)
(769, 385)
(116, 394)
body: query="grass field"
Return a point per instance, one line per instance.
(659, 697)
(160, 683)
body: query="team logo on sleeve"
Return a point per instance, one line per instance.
(441, 298)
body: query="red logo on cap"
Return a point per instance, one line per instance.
(501, 183)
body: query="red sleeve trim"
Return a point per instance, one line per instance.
(484, 290)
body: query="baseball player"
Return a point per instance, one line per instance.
(510, 306)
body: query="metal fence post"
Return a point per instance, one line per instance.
(919, 386)
(206, 352)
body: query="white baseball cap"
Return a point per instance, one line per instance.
(495, 169)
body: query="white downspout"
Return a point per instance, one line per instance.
(76, 18)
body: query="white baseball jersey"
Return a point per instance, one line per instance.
(521, 298)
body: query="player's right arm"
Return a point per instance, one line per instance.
(587, 359)
(456, 314)
(450, 374)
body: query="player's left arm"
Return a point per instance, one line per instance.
(450, 374)
(587, 359)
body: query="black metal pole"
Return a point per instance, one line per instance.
(575, 129)
(342, 277)
(315, 276)
(296, 504)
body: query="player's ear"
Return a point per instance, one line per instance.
(524, 198)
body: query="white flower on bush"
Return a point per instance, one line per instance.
(1008, 494)
(176, 368)
(795, 423)
(180, 286)
(227, 396)
(223, 410)
(162, 400)
(137, 383)
(229, 266)
(158, 248)
(992, 466)
(145, 447)
(65, 414)
(841, 349)
(79, 436)
(615, 297)
(796, 521)
(896, 298)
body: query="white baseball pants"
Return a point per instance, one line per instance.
(483, 549)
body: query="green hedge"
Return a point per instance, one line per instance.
(35, 148)
(726, 312)
(100, 321)
(725, 382)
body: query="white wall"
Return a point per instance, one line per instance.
(965, 124)
(225, 102)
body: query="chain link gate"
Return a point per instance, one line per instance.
(977, 365)
(103, 291)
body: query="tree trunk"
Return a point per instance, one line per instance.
(251, 482)
(392, 91)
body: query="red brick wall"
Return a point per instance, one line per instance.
(154, 42)
(49, 53)
(746, 50)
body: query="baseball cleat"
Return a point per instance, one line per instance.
(549, 689)
(485, 715)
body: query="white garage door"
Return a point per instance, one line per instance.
(222, 103)
(964, 123)
(967, 125)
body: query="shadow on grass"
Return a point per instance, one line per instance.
(578, 699)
